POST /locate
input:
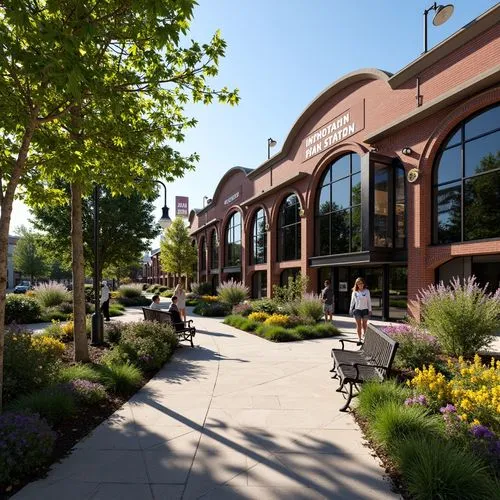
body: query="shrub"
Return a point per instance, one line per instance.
(30, 362)
(51, 294)
(234, 320)
(53, 403)
(278, 334)
(375, 394)
(439, 469)
(130, 291)
(463, 317)
(65, 307)
(147, 344)
(121, 378)
(326, 330)
(277, 320)
(204, 288)
(232, 292)
(113, 331)
(22, 309)
(79, 372)
(245, 309)
(169, 293)
(292, 291)
(26, 443)
(248, 325)
(210, 298)
(61, 331)
(258, 316)
(53, 314)
(393, 423)
(216, 309)
(116, 310)
(294, 321)
(87, 392)
(135, 301)
(306, 331)
(268, 306)
(416, 348)
(310, 306)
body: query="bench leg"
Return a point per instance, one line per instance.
(341, 387)
(349, 398)
(191, 338)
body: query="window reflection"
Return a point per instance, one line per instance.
(233, 240)
(259, 238)
(289, 229)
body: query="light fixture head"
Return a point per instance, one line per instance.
(271, 142)
(443, 13)
(165, 220)
(407, 151)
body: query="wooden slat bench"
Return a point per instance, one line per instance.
(184, 329)
(372, 361)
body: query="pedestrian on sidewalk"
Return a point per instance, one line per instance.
(105, 296)
(180, 293)
(361, 306)
(327, 298)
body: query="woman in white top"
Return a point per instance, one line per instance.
(180, 293)
(361, 305)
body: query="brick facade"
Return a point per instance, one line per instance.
(415, 108)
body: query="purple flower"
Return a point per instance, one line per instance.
(481, 431)
(420, 400)
(449, 408)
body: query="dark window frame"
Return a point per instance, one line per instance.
(233, 245)
(214, 250)
(256, 235)
(283, 228)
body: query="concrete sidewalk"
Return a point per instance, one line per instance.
(237, 417)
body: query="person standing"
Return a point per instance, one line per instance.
(327, 298)
(361, 306)
(105, 296)
(180, 293)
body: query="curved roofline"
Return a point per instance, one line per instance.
(338, 85)
(230, 172)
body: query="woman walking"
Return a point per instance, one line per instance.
(361, 306)
(180, 293)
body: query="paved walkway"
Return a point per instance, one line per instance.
(237, 417)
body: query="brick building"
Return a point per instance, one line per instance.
(395, 178)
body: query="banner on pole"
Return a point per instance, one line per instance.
(181, 206)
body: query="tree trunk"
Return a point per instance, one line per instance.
(77, 265)
(7, 201)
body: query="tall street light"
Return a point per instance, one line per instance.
(165, 220)
(443, 13)
(270, 144)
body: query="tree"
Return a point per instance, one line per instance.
(94, 91)
(177, 254)
(127, 224)
(29, 257)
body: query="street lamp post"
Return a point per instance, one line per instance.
(165, 220)
(270, 144)
(443, 13)
(97, 336)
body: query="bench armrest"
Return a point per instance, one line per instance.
(348, 340)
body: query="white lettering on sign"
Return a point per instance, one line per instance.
(233, 197)
(333, 132)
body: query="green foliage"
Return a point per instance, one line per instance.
(130, 291)
(277, 333)
(86, 392)
(375, 394)
(434, 468)
(29, 257)
(52, 403)
(177, 254)
(136, 301)
(326, 330)
(232, 292)
(234, 320)
(463, 317)
(116, 310)
(121, 378)
(53, 314)
(203, 288)
(268, 306)
(51, 294)
(393, 423)
(30, 363)
(79, 372)
(27, 443)
(22, 309)
(415, 352)
(212, 309)
(310, 306)
(113, 331)
(292, 291)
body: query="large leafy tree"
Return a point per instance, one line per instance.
(126, 224)
(177, 254)
(29, 256)
(93, 91)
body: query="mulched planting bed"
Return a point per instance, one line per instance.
(73, 429)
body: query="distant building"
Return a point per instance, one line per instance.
(12, 276)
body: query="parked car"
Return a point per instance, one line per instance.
(23, 287)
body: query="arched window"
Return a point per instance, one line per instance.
(466, 183)
(258, 244)
(289, 229)
(214, 250)
(203, 254)
(233, 240)
(195, 264)
(338, 207)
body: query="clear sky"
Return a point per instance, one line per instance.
(281, 54)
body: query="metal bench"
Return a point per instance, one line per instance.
(183, 329)
(372, 361)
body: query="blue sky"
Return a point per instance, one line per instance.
(281, 54)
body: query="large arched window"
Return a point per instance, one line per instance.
(233, 240)
(203, 255)
(258, 244)
(338, 207)
(214, 250)
(467, 181)
(289, 229)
